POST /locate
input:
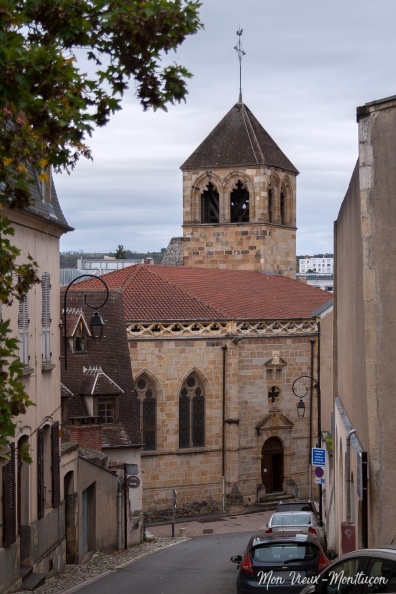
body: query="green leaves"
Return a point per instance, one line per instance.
(48, 108)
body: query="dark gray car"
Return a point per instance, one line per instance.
(279, 564)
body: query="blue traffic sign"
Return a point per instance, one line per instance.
(318, 457)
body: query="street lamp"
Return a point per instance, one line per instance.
(301, 412)
(96, 324)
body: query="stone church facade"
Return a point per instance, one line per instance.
(216, 343)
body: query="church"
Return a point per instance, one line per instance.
(217, 342)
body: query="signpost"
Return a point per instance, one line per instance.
(174, 504)
(318, 457)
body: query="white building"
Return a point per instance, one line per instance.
(319, 265)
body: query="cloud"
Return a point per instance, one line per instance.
(308, 65)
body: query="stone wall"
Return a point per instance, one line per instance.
(251, 372)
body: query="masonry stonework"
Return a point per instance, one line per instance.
(196, 473)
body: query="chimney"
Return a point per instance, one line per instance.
(87, 432)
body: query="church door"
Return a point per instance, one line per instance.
(272, 465)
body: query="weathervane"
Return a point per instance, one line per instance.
(240, 53)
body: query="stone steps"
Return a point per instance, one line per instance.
(271, 500)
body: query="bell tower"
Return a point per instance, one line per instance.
(239, 198)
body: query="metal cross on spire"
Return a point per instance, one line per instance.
(240, 53)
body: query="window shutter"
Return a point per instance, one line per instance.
(46, 317)
(23, 330)
(40, 474)
(9, 500)
(55, 465)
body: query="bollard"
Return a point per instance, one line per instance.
(182, 532)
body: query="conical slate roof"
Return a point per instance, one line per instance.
(239, 140)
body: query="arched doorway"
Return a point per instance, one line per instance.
(272, 465)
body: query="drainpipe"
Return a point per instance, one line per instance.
(119, 514)
(348, 475)
(312, 341)
(224, 349)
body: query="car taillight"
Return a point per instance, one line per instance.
(323, 561)
(246, 564)
(268, 530)
(312, 531)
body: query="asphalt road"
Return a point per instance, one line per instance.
(201, 565)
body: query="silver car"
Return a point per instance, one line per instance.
(301, 521)
(359, 572)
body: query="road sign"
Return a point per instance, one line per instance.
(319, 481)
(133, 482)
(319, 472)
(318, 457)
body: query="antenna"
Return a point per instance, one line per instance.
(241, 53)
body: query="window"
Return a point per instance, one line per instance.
(192, 414)
(106, 409)
(381, 574)
(46, 317)
(239, 203)
(270, 205)
(147, 405)
(210, 204)
(340, 579)
(283, 207)
(23, 330)
(9, 500)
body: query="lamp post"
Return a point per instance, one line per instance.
(301, 412)
(96, 324)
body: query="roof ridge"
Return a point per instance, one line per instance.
(188, 294)
(248, 124)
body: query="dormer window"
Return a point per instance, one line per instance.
(106, 409)
(80, 338)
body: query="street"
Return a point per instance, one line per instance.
(201, 565)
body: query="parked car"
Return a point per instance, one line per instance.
(360, 572)
(297, 521)
(298, 505)
(279, 563)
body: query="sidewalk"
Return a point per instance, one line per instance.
(159, 537)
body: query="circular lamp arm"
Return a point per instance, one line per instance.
(301, 405)
(96, 324)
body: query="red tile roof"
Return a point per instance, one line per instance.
(177, 293)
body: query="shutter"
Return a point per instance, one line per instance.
(9, 500)
(45, 317)
(55, 465)
(40, 474)
(23, 330)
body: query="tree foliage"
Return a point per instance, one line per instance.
(49, 106)
(120, 253)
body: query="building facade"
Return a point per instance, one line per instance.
(364, 451)
(214, 354)
(32, 529)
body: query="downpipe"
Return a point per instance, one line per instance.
(348, 475)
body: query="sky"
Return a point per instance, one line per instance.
(308, 65)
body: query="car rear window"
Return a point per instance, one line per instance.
(292, 520)
(294, 507)
(284, 552)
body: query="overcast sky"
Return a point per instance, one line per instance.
(308, 65)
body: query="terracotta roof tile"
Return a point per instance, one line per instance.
(159, 293)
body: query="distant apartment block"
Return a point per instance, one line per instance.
(318, 265)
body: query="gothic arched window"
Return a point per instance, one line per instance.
(192, 413)
(270, 205)
(147, 409)
(239, 203)
(210, 204)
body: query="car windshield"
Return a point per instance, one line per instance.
(284, 552)
(291, 519)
